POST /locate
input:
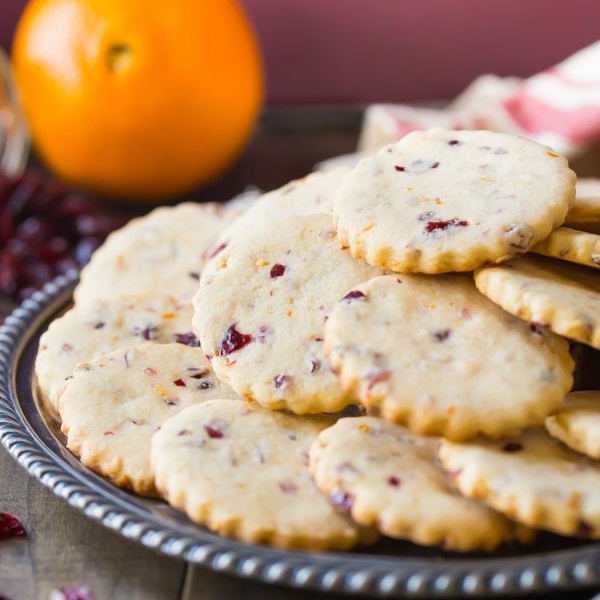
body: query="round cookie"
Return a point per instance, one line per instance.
(532, 479)
(442, 200)
(434, 354)
(242, 471)
(169, 245)
(101, 325)
(113, 404)
(549, 293)
(569, 244)
(585, 212)
(308, 195)
(383, 476)
(577, 423)
(261, 307)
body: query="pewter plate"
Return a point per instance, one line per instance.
(391, 569)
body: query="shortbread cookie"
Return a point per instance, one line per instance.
(572, 245)
(383, 476)
(103, 325)
(308, 195)
(532, 478)
(577, 423)
(585, 213)
(444, 200)
(113, 404)
(242, 471)
(262, 305)
(162, 251)
(312, 194)
(434, 354)
(549, 293)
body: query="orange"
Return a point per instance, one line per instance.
(140, 99)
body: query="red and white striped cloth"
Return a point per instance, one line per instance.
(559, 107)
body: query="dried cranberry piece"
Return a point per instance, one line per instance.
(288, 487)
(453, 143)
(353, 295)
(418, 166)
(394, 481)
(442, 335)
(188, 338)
(179, 382)
(536, 327)
(197, 372)
(342, 501)
(148, 333)
(72, 592)
(10, 526)
(232, 341)
(277, 270)
(282, 381)
(218, 250)
(512, 447)
(443, 225)
(213, 432)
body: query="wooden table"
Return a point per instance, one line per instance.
(62, 547)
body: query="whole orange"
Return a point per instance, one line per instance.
(140, 99)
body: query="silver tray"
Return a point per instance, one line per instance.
(390, 569)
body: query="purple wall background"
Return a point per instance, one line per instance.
(400, 50)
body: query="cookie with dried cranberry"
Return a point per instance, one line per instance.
(532, 478)
(384, 476)
(434, 354)
(307, 195)
(441, 200)
(102, 325)
(574, 246)
(261, 307)
(585, 212)
(164, 249)
(242, 470)
(577, 422)
(115, 402)
(549, 293)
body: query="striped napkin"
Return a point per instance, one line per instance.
(559, 107)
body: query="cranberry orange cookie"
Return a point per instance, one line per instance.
(572, 245)
(577, 423)
(442, 200)
(532, 478)
(585, 213)
(383, 476)
(311, 194)
(261, 307)
(434, 354)
(106, 324)
(165, 248)
(547, 292)
(242, 470)
(113, 404)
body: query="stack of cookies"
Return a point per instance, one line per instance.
(362, 352)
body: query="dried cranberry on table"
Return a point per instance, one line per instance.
(45, 230)
(72, 592)
(10, 526)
